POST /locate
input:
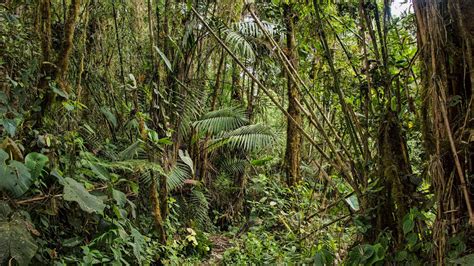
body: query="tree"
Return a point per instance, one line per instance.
(446, 40)
(293, 135)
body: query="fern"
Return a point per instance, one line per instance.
(200, 205)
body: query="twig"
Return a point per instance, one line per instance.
(326, 225)
(39, 198)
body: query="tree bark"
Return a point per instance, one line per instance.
(446, 38)
(67, 45)
(54, 71)
(293, 137)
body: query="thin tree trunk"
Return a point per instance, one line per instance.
(119, 44)
(67, 45)
(217, 85)
(54, 71)
(293, 137)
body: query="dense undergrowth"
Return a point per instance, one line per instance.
(235, 133)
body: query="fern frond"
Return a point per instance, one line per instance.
(199, 203)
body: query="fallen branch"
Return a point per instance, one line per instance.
(39, 198)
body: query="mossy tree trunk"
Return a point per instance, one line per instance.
(293, 137)
(396, 197)
(54, 70)
(446, 38)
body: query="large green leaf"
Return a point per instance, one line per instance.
(15, 241)
(35, 163)
(9, 125)
(184, 156)
(14, 177)
(408, 225)
(75, 191)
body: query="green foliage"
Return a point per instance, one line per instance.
(238, 42)
(75, 191)
(36, 162)
(199, 203)
(247, 138)
(15, 177)
(222, 120)
(16, 242)
(82, 147)
(259, 248)
(464, 261)
(121, 244)
(178, 175)
(164, 58)
(367, 254)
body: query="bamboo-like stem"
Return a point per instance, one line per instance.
(298, 80)
(272, 98)
(349, 115)
(293, 74)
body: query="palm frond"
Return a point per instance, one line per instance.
(236, 40)
(247, 138)
(251, 29)
(178, 174)
(192, 103)
(239, 44)
(222, 120)
(233, 165)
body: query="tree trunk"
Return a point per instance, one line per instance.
(397, 194)
(217, 85)
(57, 70)
(67, 45)
(446, 36)
(293, 138)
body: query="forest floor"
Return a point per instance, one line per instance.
(220, 244)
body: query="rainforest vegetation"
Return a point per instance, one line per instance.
(232, 132)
